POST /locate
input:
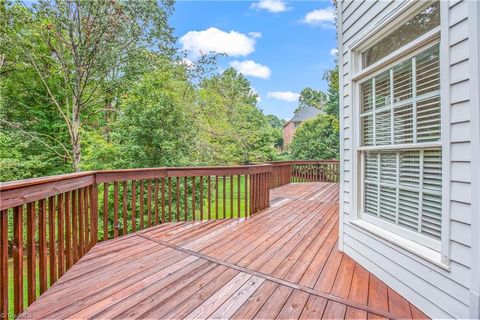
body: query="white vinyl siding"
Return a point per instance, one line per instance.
(437, 291)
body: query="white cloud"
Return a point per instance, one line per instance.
(333, 52)
(321, 17)
(270, 5)
(284, 95)
(255, 34)
(251, 68)
(232, 43)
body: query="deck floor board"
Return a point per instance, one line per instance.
(281, 263)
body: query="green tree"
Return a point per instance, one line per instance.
(232, 128)
(156, 126)
(317, 139)
(75, 47)
(277, 125)
(311, 98)
(332, 103)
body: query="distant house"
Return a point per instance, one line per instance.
(306, 113)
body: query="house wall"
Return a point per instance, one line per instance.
(288, 133)
(448, 289)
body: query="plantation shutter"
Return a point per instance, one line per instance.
(401, 106)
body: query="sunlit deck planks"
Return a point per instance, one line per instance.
(281, 263)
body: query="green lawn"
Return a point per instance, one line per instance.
(25, 284)
(225, 208)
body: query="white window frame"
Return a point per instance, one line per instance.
(415, 243)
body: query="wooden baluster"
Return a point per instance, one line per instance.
(115, 209)
(201, 198)
(124, 207)
(31, 253)
(170, 199)
(86, 224)
(193, 199)
(163, 200)
(75, 217)
(267, 201)
(209, 198)
(262, 190)
(185, 204)
(177, 196)
(238, 195)
(105, 211)
(255, 192)
(261, 183)
(134, 206)
(141, 213)
(245, 209)
(231, 196)
(42, 244)
(68, 231)
(264, 187)
(94, 214)
(80, 222)
(18, 260)
(51, 240)
(4, 263)
(258, 191)
(155, 196)
(216, 197)
(149, 203)
(224, 202)
(60, 235)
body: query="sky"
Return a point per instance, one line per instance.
(280, 46)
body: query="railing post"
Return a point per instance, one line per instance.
(4, 264)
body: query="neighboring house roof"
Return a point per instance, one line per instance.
(304, 114)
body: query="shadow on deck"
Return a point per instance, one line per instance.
(281, 263)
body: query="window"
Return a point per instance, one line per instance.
(426, 20)
(400, 139)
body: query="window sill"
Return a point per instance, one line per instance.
(419, 250)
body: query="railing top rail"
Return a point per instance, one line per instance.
(287, 162)
(139, 173)
(42, 180)
(314, 161)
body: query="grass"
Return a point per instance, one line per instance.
(225, 208)
(25, 284)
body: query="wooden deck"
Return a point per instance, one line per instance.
(281, 263)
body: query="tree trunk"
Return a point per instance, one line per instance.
(75, 136)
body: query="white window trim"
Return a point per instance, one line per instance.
(440, 258)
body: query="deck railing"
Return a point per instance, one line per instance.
(47, 224)
(285, 172)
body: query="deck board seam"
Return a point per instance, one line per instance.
(274, 279)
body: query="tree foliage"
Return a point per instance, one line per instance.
(75, 49)
(97, 84)
(311, 98)
(317, 139)
(332, 103)
(277, 125)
